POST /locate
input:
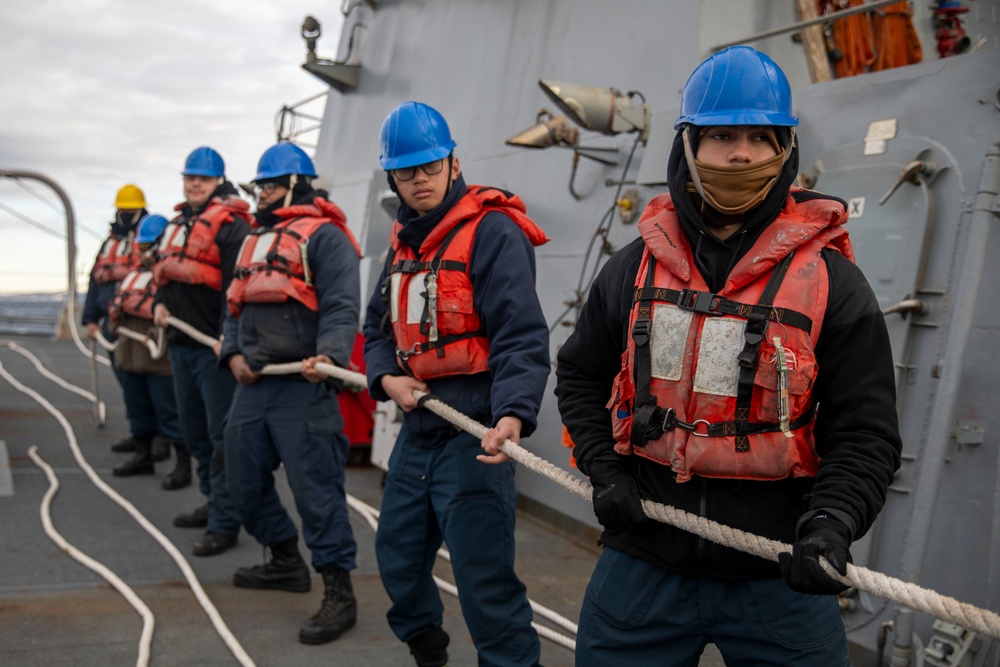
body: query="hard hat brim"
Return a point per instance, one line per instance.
(418, 158)
(743, 118)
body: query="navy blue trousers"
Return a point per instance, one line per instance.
(284, 420)
(641, 615)
(444, 493)
(150, 405)
(204, 393)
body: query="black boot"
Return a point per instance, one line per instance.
(140, 464)
(337, 614)
(196, 519)
(180, 477)
(161, 448)
(430, 649)
(286, 571)
(124, 445)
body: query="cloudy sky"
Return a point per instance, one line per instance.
(98, 93)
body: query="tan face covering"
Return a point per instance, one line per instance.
(735, 190)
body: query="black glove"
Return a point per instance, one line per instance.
(820, 536)
(616, 495)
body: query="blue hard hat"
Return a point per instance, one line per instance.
(737, 86)
(414, 134)
(282, 160)
(204, 161)
(151, 228)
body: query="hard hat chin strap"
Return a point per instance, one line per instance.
(689, 158)
(291, 186)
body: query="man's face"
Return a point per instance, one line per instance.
(198, 189)
(734, 146)
(424, 192)
(268, 193)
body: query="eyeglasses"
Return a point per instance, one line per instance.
(407, 173)
(265, 188)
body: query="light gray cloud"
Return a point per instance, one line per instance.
(99, 93)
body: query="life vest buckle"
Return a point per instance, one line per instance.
(641, 330)
(706, 303)
(406, 354)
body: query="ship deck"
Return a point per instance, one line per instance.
(55, 612)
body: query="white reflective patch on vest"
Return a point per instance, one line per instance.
(176, 236)
(416, 297)
(394, 296)
(108, 246)
(668, 340)
(718, 356)
(141, 280)
(264, 243)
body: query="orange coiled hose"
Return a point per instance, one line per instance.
(896, 41)
(885, 40)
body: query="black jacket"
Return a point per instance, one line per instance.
(856, 430)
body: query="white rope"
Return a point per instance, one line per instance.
(148, 621)
(156, 348)
(75, 334)
(896, 590)
(105, 343)
(100, 411)
(203, 338)
(220, 626)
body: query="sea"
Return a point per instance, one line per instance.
(33, 314)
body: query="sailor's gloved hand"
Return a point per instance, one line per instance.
(822, 536)
(616, 495)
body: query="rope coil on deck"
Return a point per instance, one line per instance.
(884, 586)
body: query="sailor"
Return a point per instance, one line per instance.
(147, 384)
(113, 262)
(455, 314)
(194, 267)
(733, 363)
(295, 296)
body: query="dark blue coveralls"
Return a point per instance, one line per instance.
(436, 489)
(287, 419)
(204, 391)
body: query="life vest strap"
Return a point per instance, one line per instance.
(439, 344)
(653, 421)
(708, 303)
(415, 266)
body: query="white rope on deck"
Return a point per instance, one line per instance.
(213, 614)
(148, 620)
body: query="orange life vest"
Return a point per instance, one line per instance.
(720, 385)
(115, 259)
(273, 264)
(430, 297)
(188, 252)
(134, 296)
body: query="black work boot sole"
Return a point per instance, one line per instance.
(316, 637)
(293, 582)
(124, 446)
(133, 467)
